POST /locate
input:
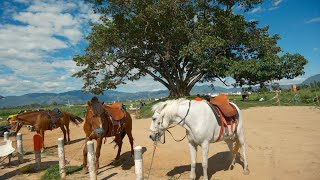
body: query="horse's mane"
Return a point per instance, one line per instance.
(30, 112)
(97, 106)
(169, 107)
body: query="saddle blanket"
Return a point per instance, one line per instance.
(6, 148)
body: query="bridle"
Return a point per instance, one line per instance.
(157, 133)
(98, 130)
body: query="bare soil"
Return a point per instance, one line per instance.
(282, 143)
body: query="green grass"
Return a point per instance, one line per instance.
(76, 110)
(52, 173)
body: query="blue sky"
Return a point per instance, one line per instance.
(38, 39)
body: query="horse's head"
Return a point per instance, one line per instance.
(15, 124)
(97, 116)
(158, 123)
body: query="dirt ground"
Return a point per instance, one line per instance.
(282, 143)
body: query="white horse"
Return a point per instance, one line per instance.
(201, 127)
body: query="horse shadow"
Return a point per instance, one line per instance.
(66, 143)
(74, 141)
(125, 161)
(218, 162)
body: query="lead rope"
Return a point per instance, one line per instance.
(154, 151)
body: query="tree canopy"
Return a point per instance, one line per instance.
(180, 43)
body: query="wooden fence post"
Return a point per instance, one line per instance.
(5, 136)
(138, 163)
(62, 162)
(20, 148)
(91, 159)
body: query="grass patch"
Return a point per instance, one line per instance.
(27, 169)
(52, 173)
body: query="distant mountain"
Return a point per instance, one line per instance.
(79, 97)
(75, 97)
(312, 79)
(205, 89)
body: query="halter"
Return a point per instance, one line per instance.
(157, 134)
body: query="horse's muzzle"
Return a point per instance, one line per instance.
(100, 132)
(152, 137)
(155, 137)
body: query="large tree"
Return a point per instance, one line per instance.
(180, 43)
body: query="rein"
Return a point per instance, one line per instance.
(167, 129)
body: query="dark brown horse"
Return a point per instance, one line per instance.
(41, 121)
(98, 125)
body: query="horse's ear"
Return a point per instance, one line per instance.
(159, 106)
(102, 103)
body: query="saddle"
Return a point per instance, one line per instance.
(118, 117)
(115, 111)
(54, 115)
(222, 102)
(226, 114)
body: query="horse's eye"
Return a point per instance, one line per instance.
(158, 123)
(153, 119)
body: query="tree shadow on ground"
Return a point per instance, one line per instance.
(28, 169)
(218, 162)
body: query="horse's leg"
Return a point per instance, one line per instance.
(68, 130)
(193, 154)
(246, 170)
(42, 134)
(119, 143)
(64, 133)
(85, 154)
(99, 143)
(205, 149)
(234, 150)
(129, 133)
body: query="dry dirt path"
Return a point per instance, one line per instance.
(282, 143)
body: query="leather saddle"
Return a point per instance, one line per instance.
(222, 102)
(115, 111)
(55, 116)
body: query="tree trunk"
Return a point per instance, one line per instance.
(179, 92)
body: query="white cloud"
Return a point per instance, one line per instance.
(32, 38)
(255, 10)
(44, 7)
(296, 80)
(276, 2)
(144, 84)
(313, 20)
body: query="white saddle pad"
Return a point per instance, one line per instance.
(6, 148)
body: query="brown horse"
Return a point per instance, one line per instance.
(98, 125)
(41, 121)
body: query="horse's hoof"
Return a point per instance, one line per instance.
(246, 172)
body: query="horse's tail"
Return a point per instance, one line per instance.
(75, 119)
